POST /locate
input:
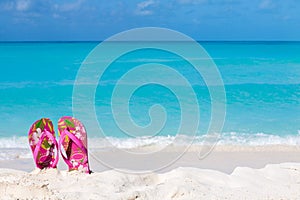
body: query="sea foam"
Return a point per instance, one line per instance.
(18, 147)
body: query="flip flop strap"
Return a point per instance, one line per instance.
(76, 141)
(39, 144)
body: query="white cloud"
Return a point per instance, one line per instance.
(18, 5)
(266, 4)
(69, 6)
(22, 5)
(7, 6)
(145, 4)
(56, 16)
(143, 8)
(191, 1)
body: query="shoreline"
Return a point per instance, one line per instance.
(232, 172)
(231, 156)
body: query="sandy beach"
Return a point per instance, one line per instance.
(228, 172)
(149, 100)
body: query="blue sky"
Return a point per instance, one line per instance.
(81, 20)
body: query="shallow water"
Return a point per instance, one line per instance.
(262, 84)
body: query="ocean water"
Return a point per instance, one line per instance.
(261, 81)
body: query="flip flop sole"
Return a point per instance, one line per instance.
(42, 142)
(73, 140)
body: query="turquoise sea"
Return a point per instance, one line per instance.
(261, 80)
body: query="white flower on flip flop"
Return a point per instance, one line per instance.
(36, 136)
(38, 132)
(74, 163)
(50, 141)
(78, 133)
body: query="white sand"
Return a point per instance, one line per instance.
(227, 173)
(278, 181)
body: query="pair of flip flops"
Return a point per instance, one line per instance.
(72, 144)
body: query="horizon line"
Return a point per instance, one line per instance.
(87, 41)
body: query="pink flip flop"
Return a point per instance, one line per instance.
(73, 144)
(43, 144)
